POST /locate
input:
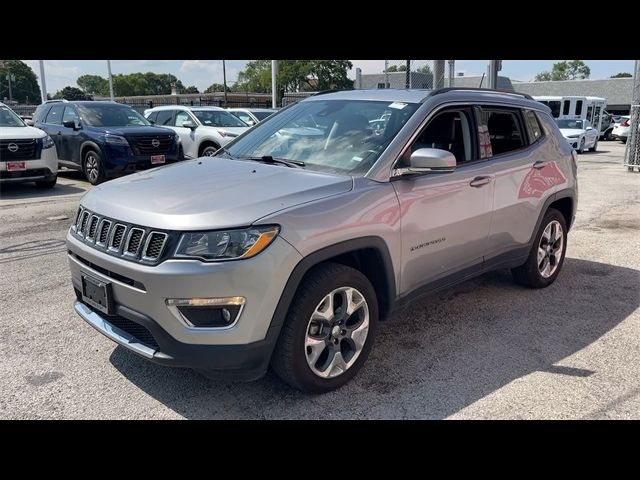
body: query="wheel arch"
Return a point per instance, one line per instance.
(207, 142)
(85, 147)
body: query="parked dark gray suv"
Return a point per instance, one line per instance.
(290, 245)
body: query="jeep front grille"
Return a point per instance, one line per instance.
(131, 242)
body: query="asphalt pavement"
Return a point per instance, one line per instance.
(484, 349)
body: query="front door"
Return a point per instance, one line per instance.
(71, 139)
(53, 126)
(187, 135)
(445, 217)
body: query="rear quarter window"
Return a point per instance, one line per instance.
(532, 123)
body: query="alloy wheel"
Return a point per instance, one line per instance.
(550, 249)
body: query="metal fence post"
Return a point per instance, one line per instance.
(632, 152)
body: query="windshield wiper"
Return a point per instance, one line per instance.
(272, 160)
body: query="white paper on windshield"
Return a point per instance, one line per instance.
(398, 105)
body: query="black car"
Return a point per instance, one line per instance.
(105, 139)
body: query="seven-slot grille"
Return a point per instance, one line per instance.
(144, 144)
(132, 242)
(19, 149)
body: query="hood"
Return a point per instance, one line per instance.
(571, 131)
(209, 193)
(133, 131)
(15, 133)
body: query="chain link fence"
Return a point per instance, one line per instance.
(408, 74)
(632, 152)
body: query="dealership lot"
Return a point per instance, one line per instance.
(484, 349)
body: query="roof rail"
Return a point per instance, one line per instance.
(57, 100)
(322, 92)
(478, 89)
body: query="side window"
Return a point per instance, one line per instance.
(589, 113)
(152, 117)
(55, 115)
(41, 113)
(533, 126)
(70, 114)
(505, 133)
(449, 130)
(565, 107)
(579, 107)
(181, 117)
(165, 117)
(245, 117)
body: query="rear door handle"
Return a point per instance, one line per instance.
(540, 164)
(480, 181)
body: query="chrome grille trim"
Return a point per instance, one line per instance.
(115, 229)
(147, 243)
(127, 244)
(82, 222)
(92, 226)
(104, 227)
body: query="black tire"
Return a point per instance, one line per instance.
(595, 147)
(581, 146)
(528, 273)
(88, 166)
(607, 135)
(289, 361)
(47, 183)
(209, 150)
(623, 140)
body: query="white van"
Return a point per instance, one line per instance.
(578, 108)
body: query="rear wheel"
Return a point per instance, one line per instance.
(93, 167)
(547, 253)
(329, 329)
(209, 151)
(623, 140)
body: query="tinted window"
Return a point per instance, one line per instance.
(111, 115)
(244, 116)
(55, 115)
(554, 105)
(262, 115)
(41, 113)
(504, 130)
(165, 117)
(579, 107)
(565, 107)
(533, 126)
(218, 118)
(152, 117)
(70, 114)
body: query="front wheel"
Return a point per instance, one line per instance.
(547, 253)
(581, 147)
(329, 329)
(93, 168)
(209, 151)
(47, 183)
(595, 146)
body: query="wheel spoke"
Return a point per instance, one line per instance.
(359, 334)
(324, 311)
(541, 254)
(314, 347)
(354, 301)
(337, 365)
(542, 266)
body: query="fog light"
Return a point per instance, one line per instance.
(207, 312)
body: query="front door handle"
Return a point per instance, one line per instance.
(540, 164)
(59, 132)
(480, 181)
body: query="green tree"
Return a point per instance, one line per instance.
(295, 75)
(565, 70)
(24, 88)
(149, 83)
(72, 93)
(424, 68)
(190, 89)
(216, 87)
(622, 75)
(397, 68)
(391, 69)
(94, 84)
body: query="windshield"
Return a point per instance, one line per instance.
(8, 118)
(262, 115)
(333, 136)
(111, 116)
(570, 124)
(218, 118)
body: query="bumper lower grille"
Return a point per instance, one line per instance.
(134, 329)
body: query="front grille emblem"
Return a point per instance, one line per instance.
(13, 148)
(155, 142)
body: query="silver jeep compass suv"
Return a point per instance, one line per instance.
(287, 247)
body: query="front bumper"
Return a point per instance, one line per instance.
(44, 168)
(121, 160)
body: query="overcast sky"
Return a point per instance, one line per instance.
(202, 73)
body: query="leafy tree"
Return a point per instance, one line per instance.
(391, 69)
(72, 93)
(622, 75)
(424, 68)
(94, 84)
(149, 83)
(216, 87)
(397, 68)
(565, 70)
(190, 89)
(24, 88)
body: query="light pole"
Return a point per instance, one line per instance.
(43, 85)
(110, 80)
(11, 78)
(274, 83)
(224, 82)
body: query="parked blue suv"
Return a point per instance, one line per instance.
(105, 139)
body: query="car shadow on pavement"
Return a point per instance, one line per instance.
(16, 191)
(431, 360)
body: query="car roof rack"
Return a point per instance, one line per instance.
(479, 89)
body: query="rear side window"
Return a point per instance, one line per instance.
(55, 115)
(165, 117)
(70, 114)
(500, 132)
(41, 113)
(533, 126)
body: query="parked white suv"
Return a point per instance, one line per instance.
(202, 130)
(622, 129)
(27, 154)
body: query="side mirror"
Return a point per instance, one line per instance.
(251, 123)
(429, 160)
(71, 124)
(29, 123)
(590, 128)
(189, 124)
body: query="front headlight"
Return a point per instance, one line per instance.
(47, 142)
(226, 244)
(176, 138)
(227, 134)
(573, 136)
(115, 139)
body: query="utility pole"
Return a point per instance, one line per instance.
(10, 77)
(632, 151)
(494, 67)
(386, 74)
(452, 68)
(43, 85)
(224, 82)
(274, 83)
(110, 80)
(438, 73)
(408, 75)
